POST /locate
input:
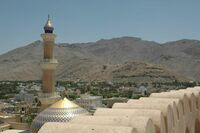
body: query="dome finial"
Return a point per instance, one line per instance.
(48, 28)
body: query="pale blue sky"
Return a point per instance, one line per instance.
(90, 20)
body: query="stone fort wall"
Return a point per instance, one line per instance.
(177, 111)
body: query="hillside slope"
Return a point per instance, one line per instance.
(108, 60)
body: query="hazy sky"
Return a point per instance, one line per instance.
(22, 21)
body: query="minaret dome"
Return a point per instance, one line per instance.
(48, 28)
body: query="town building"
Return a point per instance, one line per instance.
(24, 96)
(110, 101)
(90, 102)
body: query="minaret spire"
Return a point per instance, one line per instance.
(48, 28)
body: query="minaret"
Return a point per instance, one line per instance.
(48, 66)
(49, 63)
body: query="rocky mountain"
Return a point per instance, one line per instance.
(125, 58)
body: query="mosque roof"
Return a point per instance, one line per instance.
(61, 111)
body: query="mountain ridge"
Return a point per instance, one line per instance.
(76, 59)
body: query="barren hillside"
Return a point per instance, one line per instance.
(126, 58)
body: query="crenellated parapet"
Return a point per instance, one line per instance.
(177, 111)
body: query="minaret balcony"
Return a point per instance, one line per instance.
(50, 60)
(49, 64)
(48, 36)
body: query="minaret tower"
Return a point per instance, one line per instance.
(48, 66)
(49, 63)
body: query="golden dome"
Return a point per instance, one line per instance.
(61, 111)
(64, 103)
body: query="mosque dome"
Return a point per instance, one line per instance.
(61, 111)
